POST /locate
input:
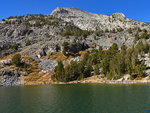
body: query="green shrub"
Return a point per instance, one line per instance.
(130, 30)
(28, 43)
(16, 59)
(145, 35)
(15, 47)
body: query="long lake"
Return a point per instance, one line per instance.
(75, 98)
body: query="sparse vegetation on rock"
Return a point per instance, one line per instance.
(85, 44)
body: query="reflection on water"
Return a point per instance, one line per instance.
(77, 98)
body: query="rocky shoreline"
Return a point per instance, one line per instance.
(87, 81)
(80, 82)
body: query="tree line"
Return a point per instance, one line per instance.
(112, 64)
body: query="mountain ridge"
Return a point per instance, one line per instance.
(75, 8)
(96, 21)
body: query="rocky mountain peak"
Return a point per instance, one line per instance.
(89, 21)
(73, 11)
(119, 15)
(59, 10)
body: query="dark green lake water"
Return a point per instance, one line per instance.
(77, 98)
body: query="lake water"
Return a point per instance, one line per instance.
(75, 98)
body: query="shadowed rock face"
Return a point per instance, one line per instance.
(74, 48)
(89, 21)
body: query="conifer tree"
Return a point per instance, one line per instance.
(65, 48)
(96, 69)
(60, 72)
(113, 49)
(105, 66)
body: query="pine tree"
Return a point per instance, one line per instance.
(146, 48)
(105, 66)
(122, 58)
(115, 69)
(65, 48)
(88, 70)
(113, 49)
(74, 68)
(128, 61)
(137, 36)
(67, 73)
(134, 60)
(60, 72)
(100, 53)
(140, 47)
(140, 69)
(96, 69)
(123, 49)
(93, 59)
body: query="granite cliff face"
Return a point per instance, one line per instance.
(89, 21)
(39, 39)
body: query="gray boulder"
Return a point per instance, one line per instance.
(9, 77)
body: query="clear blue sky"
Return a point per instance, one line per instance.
(133, 9)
